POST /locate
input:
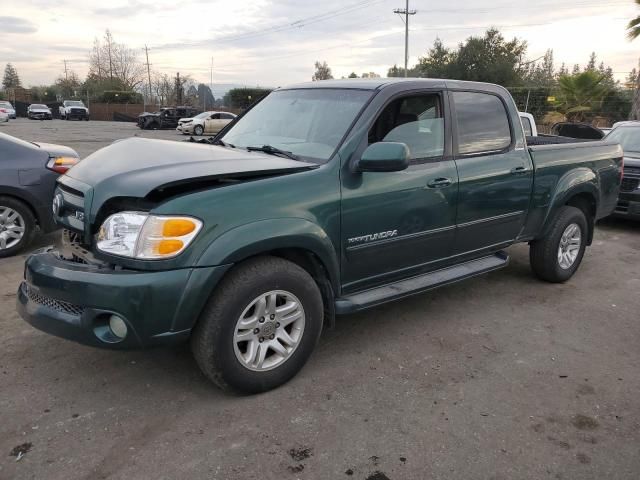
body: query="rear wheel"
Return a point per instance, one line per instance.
(17, 226)
(260, 326)
(556, 257)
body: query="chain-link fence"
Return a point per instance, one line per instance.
(548, 108)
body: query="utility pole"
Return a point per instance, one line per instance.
(211, 80)
(146, 51)
(66, 77)
(406, 12)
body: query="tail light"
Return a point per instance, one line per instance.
(3, 110)
(61, 164)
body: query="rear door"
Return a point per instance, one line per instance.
(494, 169)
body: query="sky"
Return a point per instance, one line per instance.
(276, 42)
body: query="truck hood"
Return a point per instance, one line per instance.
(57, 150)
(136, 167)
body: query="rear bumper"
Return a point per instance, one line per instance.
(75, 301)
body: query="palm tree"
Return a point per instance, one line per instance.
(633, 32)
(633, 27)
(580, 93)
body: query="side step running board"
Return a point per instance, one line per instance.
(411, 286)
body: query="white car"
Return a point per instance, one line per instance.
(4, 115)
(7, 107)
(206, 122)
(38, 111)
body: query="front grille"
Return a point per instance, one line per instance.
(629, 184)
(57, 305)
(632, 170)
(77, 111)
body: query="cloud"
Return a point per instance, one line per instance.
(16, 25)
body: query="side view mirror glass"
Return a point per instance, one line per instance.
(384, 157)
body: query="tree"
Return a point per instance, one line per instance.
(591, 65)
(579, 94)
(11, 78)
(115, 64)
(437, 63)
(206, 100)
(243, 97)
(323, 72)
(68, 85)
(541, 74)
(633, 32)
(633, 27)
(353, 75)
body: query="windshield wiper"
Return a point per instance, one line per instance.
(221, 143)
(273, 151)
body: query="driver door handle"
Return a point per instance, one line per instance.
(439, 182)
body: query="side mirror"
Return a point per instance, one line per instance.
(384, 157)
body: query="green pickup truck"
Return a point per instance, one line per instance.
(324, 198)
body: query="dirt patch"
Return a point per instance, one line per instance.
(299, 454)
(20, 450)
(559, 443)
(295, 468)
(584, 459)
(586, 390)
(583, 422)
(377, 476)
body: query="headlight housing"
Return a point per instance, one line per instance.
(144, 236)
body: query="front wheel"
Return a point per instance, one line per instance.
(198, 130)
(556, 257)
(17, 226)
(259, 326)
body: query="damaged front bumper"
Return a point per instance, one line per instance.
(75, 300)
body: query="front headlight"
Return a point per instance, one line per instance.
(144, 236)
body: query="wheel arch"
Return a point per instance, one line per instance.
(578, 188)
(296, 240)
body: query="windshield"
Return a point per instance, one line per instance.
(5, 104)
(203, 115)
(628, 137)
(73, 103)
(308, 122)
(37, 105)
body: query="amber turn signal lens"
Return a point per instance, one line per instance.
(61, 164)
(177, 227)
(166, 247)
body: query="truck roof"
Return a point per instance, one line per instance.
(380, 83)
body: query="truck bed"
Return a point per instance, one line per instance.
(554, 140)
(559, 164)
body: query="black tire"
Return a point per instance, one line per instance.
(543, 253)
(29, 224)
(198, 130)
(86, 119)
(212, 339)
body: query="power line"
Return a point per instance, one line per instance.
(406, 12)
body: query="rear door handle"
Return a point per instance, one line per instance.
(439, 182)
(519, 170)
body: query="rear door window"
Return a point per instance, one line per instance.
(482, 123)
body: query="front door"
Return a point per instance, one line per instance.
(495, 173)
(396, 224)
(213, 124)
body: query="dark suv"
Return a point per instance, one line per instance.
(166, 118)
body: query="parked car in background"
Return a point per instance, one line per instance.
(204, 123)
(324, 198)
(28, 173)
(4, 115)
(38, 111)
(7, 107)
(71, 109)
(627, 134)
(528, 124)
(165, 118)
